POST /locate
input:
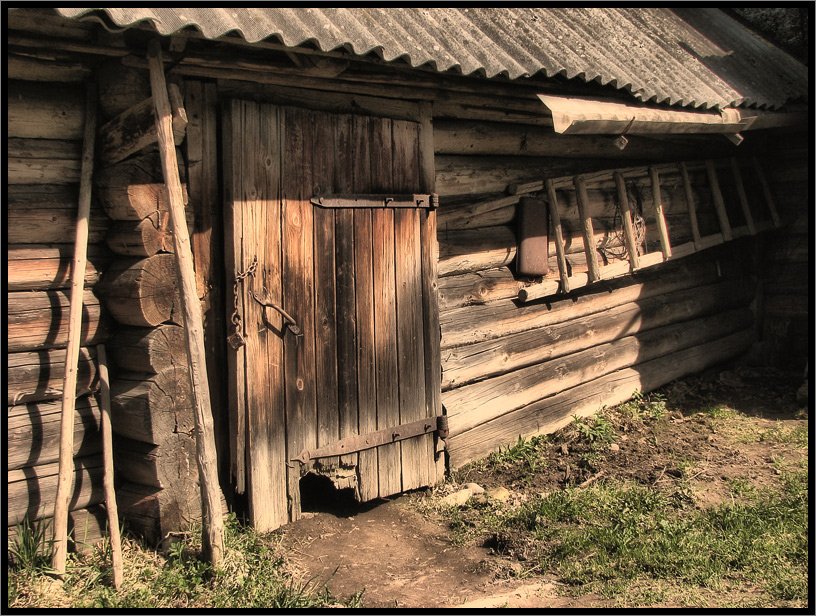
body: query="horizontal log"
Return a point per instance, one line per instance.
(151, 408)
(337, 102)
(477, 288)
(169, 466)
(141, 292)
(476, 213)
(478, 361)
(135, 129)
(471, 324)
(466, 137)
(471, 405)
(38, 267)
(86, 527)
(34, 432)
(134, 189)
(42, 171)
(28, 68)
(44, 111)
(39, 320)
(46, 214)
(32, 491)
(51, 149)
(465, 175)
(149, 349)
(552, 413)
(152, 512)
(37, 376)
(121, 87)
(476, 249)
(140, 238)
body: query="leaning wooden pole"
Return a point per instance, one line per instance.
(65, 481)
(107, 455)
(213, 524)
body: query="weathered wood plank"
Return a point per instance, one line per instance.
(473, 250)
(503, 355)
(366, 360)
(660, 219)
(477, 213)
(474, 323)
(632, 247)
(477, 288)
(415, 452)
(743, 198)
(33, 490)
(298, 292)
(550, 414)
(719, 204)
(56, 69)
(43, 111)
(140, 238)
(32, 377)
(39, 267)
(586, 230)
(766, 190)
(34, 432)
(474, 404)
(555, 217)
(39, 320)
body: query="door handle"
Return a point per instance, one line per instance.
(288, 319)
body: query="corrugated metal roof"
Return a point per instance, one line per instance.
(690, 57)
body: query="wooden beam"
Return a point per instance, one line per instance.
(743, 198)
(660, 218)
(692, 206)
(66, 458)
(213, 524)
(719, 204)
(766, 191)
(555, 216)
(628, 229)
(107, 458)
(586, 229)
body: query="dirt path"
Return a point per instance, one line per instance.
(401, 559)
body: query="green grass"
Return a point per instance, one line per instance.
(603, 538)
(525, 455)
(254, 575)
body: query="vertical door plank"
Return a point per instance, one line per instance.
(202, 171)
(586, 229)
(345, 287)
(325, 333)
(743, 198)
(298, 294)
(429, 248)
(367, 461)
(385, 323)
(628, 228)
(233, 262)
(719, 204)
(409, 306)
(692, 206)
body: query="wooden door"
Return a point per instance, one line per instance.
(360, 285)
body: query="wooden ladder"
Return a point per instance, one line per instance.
(636, 261)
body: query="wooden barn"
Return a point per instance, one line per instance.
(418, 234)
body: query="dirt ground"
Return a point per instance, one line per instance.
(399, 553)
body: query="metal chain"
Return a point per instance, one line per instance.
(236, 339)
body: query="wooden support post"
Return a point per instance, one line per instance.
(65, 486)
(107, 458)
(766, 189)
(719, 204)
(586, 229)
(213, 523)
(628, 230)
(746, 209)
(692, 207)
(559, 237)
(660, 219)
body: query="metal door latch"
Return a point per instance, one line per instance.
(288, 319)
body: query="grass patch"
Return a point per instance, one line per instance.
(254, 574)
(609, 536)
(783, 435)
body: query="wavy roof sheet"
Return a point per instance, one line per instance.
(691, 57)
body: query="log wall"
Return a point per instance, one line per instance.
(786, 323)
(44, 130)
(512, 369)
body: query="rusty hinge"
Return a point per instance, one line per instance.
(361, 442)
(376, 201)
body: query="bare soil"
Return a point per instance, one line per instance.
(400, 553)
